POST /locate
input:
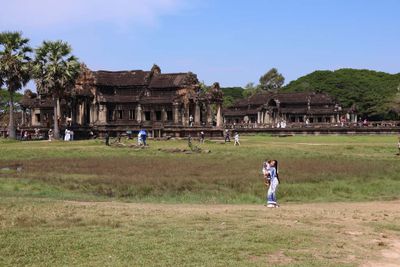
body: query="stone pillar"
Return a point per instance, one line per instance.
(185, 115)
(138, 113)
(209, 114)
(84, 114)
(33, 119)
(102, 113)
(197, 114)
(92, 113)
(163, 114)
(81, 113)
(219, 115)
(175, 111)
(258, 117)
(152, 115)
(23, 119)
(355, 118)
(266, 117)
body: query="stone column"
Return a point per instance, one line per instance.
(33, 119)
(163, 114)
(219, 115)
(262, 117)
(138, 113)
(209, 114)
(266, 117)
(23, 113)
(185, 115)
(175, 111)
(81, 113)
(102, 113)
(258, 117)
(152, 115)
(197, 114)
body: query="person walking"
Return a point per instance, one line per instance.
(227, 136)
(201, 137)
(50, 134)
(236, 139)
(107, 139)
(273, 182)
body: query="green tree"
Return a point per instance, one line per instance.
(272, 80)
(373, 93)
(250, 89)
(14, 68)
(55, 73)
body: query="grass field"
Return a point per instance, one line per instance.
(68, 203)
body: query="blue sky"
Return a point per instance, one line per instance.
(233, 42)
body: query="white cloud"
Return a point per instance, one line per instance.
(34, 14)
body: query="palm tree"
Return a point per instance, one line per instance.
(14, 68)
(55, 73)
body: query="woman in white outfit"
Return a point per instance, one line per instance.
(273, 180)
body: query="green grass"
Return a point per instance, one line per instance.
(312, 169)
(69, 204)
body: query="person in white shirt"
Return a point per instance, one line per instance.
(236, 139)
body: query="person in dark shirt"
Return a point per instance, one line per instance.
(107, 139)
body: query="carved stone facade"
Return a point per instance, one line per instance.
(120, 101)
(273, 108)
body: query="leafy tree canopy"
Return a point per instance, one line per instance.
(272, 80)
(374, 93)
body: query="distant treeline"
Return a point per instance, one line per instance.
(376, 95)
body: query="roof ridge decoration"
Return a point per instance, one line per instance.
(155, 70)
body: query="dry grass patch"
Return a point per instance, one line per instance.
(91, 233)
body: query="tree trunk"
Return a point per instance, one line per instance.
(56, 126)
(11, 124)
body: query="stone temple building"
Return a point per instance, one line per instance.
(171, 104)
(269, 109)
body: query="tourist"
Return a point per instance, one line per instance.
(190, 142)
(202, 137)
(50, 134)
(143, 136)
(273, 181)
(191, 120)
(236, 139)
(67, 136)
(139, 138)
(25, 136)
(227, 136)
(107, 139)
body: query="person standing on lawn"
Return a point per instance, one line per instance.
(107, 139)
(236, 139)
(273, 181)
